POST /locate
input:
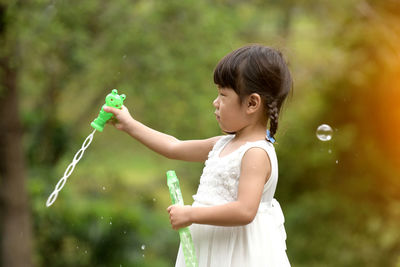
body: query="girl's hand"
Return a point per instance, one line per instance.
(121, 118)
(179, 216)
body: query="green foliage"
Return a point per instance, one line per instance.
(340, 198)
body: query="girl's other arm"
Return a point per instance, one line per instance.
(255, 170)
(164, 144)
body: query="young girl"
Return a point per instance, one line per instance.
(234, 220)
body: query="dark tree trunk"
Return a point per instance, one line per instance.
(16, 236)
(15, 222)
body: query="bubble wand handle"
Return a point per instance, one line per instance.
(184, 233)
(112, 100)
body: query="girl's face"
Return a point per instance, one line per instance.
(230, 113)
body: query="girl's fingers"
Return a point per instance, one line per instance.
(110, 110)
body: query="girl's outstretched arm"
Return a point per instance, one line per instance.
(164, 144)
(255, 171)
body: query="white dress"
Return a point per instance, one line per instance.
(259, 243)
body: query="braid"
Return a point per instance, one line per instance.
(273, 113)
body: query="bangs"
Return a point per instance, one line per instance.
(226, 73)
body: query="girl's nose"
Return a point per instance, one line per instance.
(215, 103)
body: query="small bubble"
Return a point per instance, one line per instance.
(337, 161)
(104, 188)
(110, 223)
(143, 247)
(324, 132)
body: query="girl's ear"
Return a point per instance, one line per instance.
(253, 103)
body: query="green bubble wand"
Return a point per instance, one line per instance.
(184, 233)
(112, 100)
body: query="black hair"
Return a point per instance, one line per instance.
(257, 69)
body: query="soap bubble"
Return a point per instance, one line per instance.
(324, 132)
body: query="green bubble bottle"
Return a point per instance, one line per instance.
(184, 233)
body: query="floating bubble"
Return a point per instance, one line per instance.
(324, 132)
(143, 247)
(104, 188)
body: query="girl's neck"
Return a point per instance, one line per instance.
(251, 133)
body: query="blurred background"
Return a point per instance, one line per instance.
(59, 59)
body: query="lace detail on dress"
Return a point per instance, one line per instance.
(220, 178)
(218, 246)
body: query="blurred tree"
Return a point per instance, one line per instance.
(16, 236)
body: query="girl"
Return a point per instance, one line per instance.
(234, 220)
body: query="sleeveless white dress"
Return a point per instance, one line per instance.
(259, 243)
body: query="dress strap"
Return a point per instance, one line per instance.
(263, 144)
(220, 144)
